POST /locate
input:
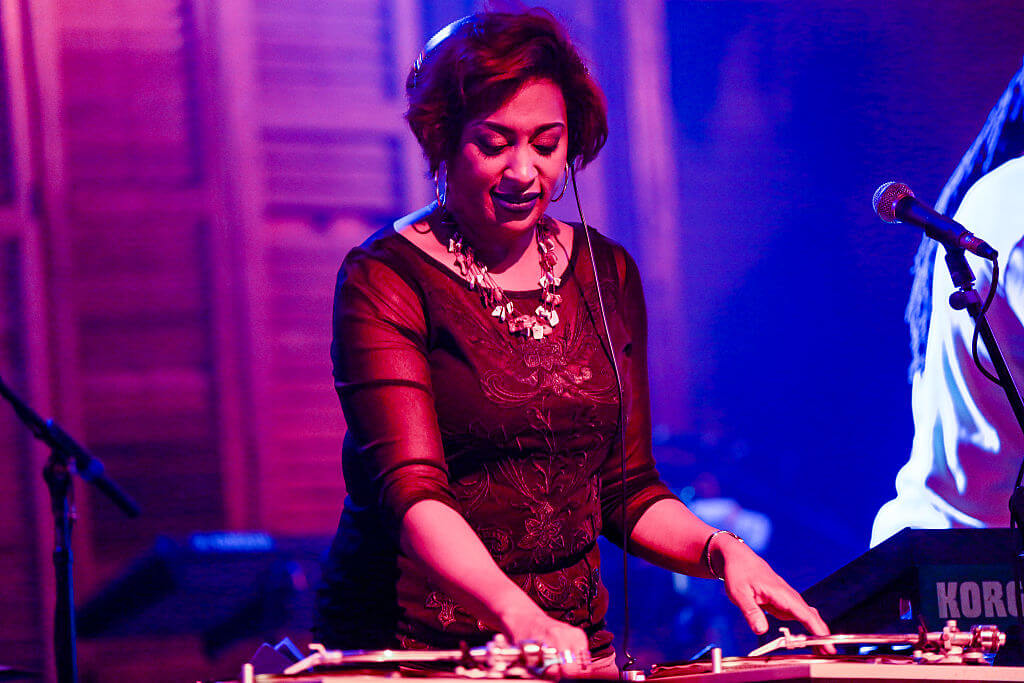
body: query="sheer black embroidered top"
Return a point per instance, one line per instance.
(519, 435)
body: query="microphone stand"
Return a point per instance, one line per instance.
(967, 297)
(64, 452)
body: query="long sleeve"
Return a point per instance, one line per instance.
(381, 373)
(643, 487)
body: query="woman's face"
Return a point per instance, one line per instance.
(507, 163)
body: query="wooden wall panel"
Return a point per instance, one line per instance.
(7, 182)
(303, 488)
(330, 79)
(337, 163)
(140, 270)
(338, 49)
(21, 628)
(26, 596)
(325, 173)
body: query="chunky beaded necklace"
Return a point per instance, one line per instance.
(537, 324)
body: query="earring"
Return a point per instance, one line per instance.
(441, 175)
(565, 185)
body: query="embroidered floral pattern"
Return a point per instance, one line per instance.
(553, 592)
(498, 541)
(542, 532)
(572, 366)
(444, 607)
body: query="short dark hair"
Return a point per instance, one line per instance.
(485, 59)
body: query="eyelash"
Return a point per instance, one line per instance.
(495, 150)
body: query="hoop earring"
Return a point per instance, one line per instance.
(564, 185)
(442, 197)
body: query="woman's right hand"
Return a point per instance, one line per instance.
(441, 539)
(568, 641)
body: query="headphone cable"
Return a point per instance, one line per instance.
(630, 661)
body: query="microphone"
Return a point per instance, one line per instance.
(896, 202)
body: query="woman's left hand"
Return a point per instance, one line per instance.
(671, 536)
(755, 588)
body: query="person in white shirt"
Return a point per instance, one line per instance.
(967, 446)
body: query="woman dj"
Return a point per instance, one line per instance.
(485, 378)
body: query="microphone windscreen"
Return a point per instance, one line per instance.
(886, 197)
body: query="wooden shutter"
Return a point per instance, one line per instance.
(139, 272)
(23, 523)
(26, 595)
(337, 163)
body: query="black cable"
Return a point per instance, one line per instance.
(984, 309)
(630, 660)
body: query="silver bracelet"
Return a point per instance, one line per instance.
(707, 552)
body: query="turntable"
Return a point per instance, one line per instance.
(947, 655)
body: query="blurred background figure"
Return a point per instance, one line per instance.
(967, 445)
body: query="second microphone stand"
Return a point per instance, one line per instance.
(966, 297)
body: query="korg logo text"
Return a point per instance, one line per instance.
(973, 599)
